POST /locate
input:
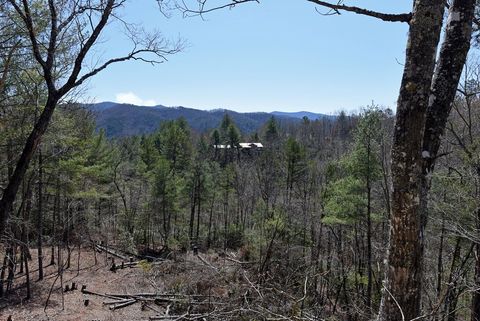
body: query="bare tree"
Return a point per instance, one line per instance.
(71, 28)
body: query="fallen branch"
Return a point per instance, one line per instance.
(252, 285)
(116, 301)
(85, 291)
(138, 295)
(185, 316)
(122, 305)
(231, 259)
(146, 306)
(124, 265)
(111, 251)
(206, 262)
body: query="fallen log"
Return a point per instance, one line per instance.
(231, 259)
(167, 317)
(122, 305)
(161, 295)
(111, 251)
(124, 265)
(185, 316)
(116, 301)
(85, 291)
(134, 295)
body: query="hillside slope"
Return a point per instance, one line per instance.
(120, 120)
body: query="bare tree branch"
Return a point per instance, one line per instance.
(134, 55)
(202, 9)
(401, 17)
(6, 66)
(86, 47)
(336, 9)
(27, 19)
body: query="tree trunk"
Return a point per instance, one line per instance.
(56, 209)
(402, 296)
(440, 261)
(2, 273)
(11, 265)
(21, 167)
(199, 203)
(192, 211)
(27, 271)
(453, 55)
(40, 215)
(476, 293)
(369, 232)
(451, 294)
(369, 253)
(210, 216)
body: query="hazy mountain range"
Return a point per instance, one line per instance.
(124, 120)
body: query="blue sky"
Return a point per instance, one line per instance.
(276, 55)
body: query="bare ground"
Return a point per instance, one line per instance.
(211, 277)
(206, 287)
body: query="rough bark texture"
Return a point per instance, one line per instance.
(423, 109)
(402, 296)
(453, 55)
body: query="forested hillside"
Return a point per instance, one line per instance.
(308, 212)
(120, 212)
(120, 120)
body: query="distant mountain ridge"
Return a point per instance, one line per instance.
(302, 114)
(119, 120)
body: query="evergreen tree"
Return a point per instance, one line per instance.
(174, 144)
(271, 132)
(165, 197)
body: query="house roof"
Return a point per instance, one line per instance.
(242, 145)
(250, 145)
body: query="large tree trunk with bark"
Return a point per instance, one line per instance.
(423, 108)
(401, 299)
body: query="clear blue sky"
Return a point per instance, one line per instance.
(276, 55)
